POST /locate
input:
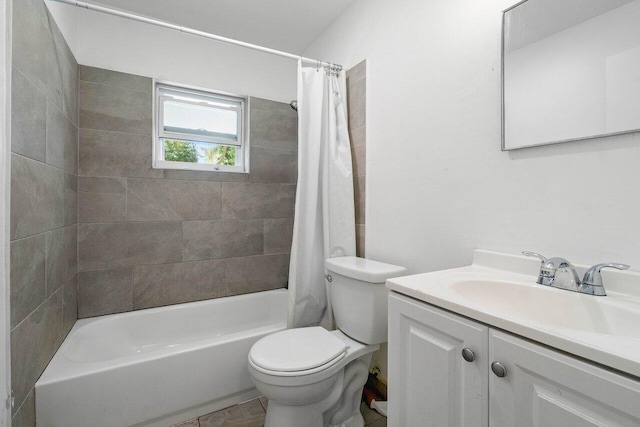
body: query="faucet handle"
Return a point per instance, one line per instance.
(592, 281)
(593, 277)
(536, 255)
(542, 275)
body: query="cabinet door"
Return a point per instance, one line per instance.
(430, 384)
(546, 388)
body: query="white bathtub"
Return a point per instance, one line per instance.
(158, 366)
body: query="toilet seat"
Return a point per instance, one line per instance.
(297, 352)
(354, 350)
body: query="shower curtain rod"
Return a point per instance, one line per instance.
(198, 33)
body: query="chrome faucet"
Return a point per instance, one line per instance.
(559, 273)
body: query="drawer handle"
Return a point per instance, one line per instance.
(468, 354)
(499, 369)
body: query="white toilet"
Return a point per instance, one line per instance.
(314, 377)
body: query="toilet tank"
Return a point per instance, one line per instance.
(359, 297)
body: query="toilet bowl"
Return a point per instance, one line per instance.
(314, 377)
(333, 362)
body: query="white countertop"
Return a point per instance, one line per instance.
(501, 291)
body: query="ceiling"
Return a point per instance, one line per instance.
(289, 25)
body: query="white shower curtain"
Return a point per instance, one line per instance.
(324, 225)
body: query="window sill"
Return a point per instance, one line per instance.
(198, 167)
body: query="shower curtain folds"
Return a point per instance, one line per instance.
(324, 224)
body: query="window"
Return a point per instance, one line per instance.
(199, 130)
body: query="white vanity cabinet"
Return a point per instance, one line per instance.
(431, 384)
(545, 387)
(429, 381)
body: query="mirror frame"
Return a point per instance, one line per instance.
(502, 100)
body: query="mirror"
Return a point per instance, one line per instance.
(570, 71)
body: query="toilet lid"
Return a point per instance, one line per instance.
(297, 349)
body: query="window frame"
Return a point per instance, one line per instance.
(160, 87)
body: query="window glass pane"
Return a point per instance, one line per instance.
(199, 152)
(204, 120)
(214, 154)
(180, 151)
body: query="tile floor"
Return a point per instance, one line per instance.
(252, 413)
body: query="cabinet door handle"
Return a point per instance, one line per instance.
(468, 354)
(499, 369)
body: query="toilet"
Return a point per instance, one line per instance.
(314, 377)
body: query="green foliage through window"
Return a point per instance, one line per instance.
(218, 155)
(196, 152)
(180, 151)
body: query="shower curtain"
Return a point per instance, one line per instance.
(324, 224)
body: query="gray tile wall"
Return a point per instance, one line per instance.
(357, 99)
(44, 163)
(150, 237)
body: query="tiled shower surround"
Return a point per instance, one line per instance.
(357, 99)
(150, 237)
(96, 230)
(44, 162)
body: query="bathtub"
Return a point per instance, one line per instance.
(157, 366)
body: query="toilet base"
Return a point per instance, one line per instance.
(307, 415)
(346, 411)
(341, 408)
(355, 421)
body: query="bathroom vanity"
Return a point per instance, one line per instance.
(484, 345)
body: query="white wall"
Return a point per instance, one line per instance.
(437, 183)
(119, 44)
(67, 19)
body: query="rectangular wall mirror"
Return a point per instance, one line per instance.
(570, 71)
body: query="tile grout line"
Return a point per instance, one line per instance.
(77, 281)
(41, 233)
(146, 92)
(133, 307)
(43, 163)
(226, 278)
(35, 309)
(221, 181)
(80, 128)
(46, 97)
(264, 236)
(64, 113)
(14, 414)
(189, 261)
(126, 199)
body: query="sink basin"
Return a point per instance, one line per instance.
(552, 307)
(500, 290)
